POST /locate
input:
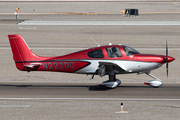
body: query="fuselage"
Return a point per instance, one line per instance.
(87, 61)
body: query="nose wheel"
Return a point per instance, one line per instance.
(154, 83)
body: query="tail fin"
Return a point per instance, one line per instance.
(21, 51)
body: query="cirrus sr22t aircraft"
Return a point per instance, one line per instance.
(103, 60)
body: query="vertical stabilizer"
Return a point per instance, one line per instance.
(21, 51)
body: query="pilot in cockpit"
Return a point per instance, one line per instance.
(113, 53)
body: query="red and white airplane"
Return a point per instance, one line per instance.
(103, 60)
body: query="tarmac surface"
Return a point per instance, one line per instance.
(47, 95)
(81, 101)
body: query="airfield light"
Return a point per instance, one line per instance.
(121, 107)
(122, 111)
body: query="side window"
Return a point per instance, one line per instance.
(113, 52)
(96, 54)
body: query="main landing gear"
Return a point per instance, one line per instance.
(112, 82)
(154, 83)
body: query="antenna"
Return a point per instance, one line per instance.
(94, 41)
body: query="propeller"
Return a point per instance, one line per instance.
(166, 58)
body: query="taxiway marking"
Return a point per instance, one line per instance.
(27, 28)
(14, 105)
(97, 22)
(103, 99)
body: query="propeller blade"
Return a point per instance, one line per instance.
(167, 69)
(166, 48)
(166, 58)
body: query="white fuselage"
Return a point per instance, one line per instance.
(126, 65)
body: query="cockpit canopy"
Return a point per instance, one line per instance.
(130, 51)
(96, 54)
(112, 52)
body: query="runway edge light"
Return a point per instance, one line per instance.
(122, 109)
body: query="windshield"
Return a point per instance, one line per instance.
(130, 51)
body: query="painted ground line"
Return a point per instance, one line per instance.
(14, 105)
(104, 99)
(27, 28)
(97, 22)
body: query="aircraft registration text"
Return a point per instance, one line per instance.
(58, 65)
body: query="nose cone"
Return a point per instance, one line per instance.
(169, 59)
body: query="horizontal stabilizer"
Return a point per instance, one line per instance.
(32, 65)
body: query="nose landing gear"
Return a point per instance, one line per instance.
(154, 83)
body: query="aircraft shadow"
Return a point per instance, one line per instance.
(90, 87)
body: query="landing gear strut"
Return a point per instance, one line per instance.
(112, 82)
(154, 83)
